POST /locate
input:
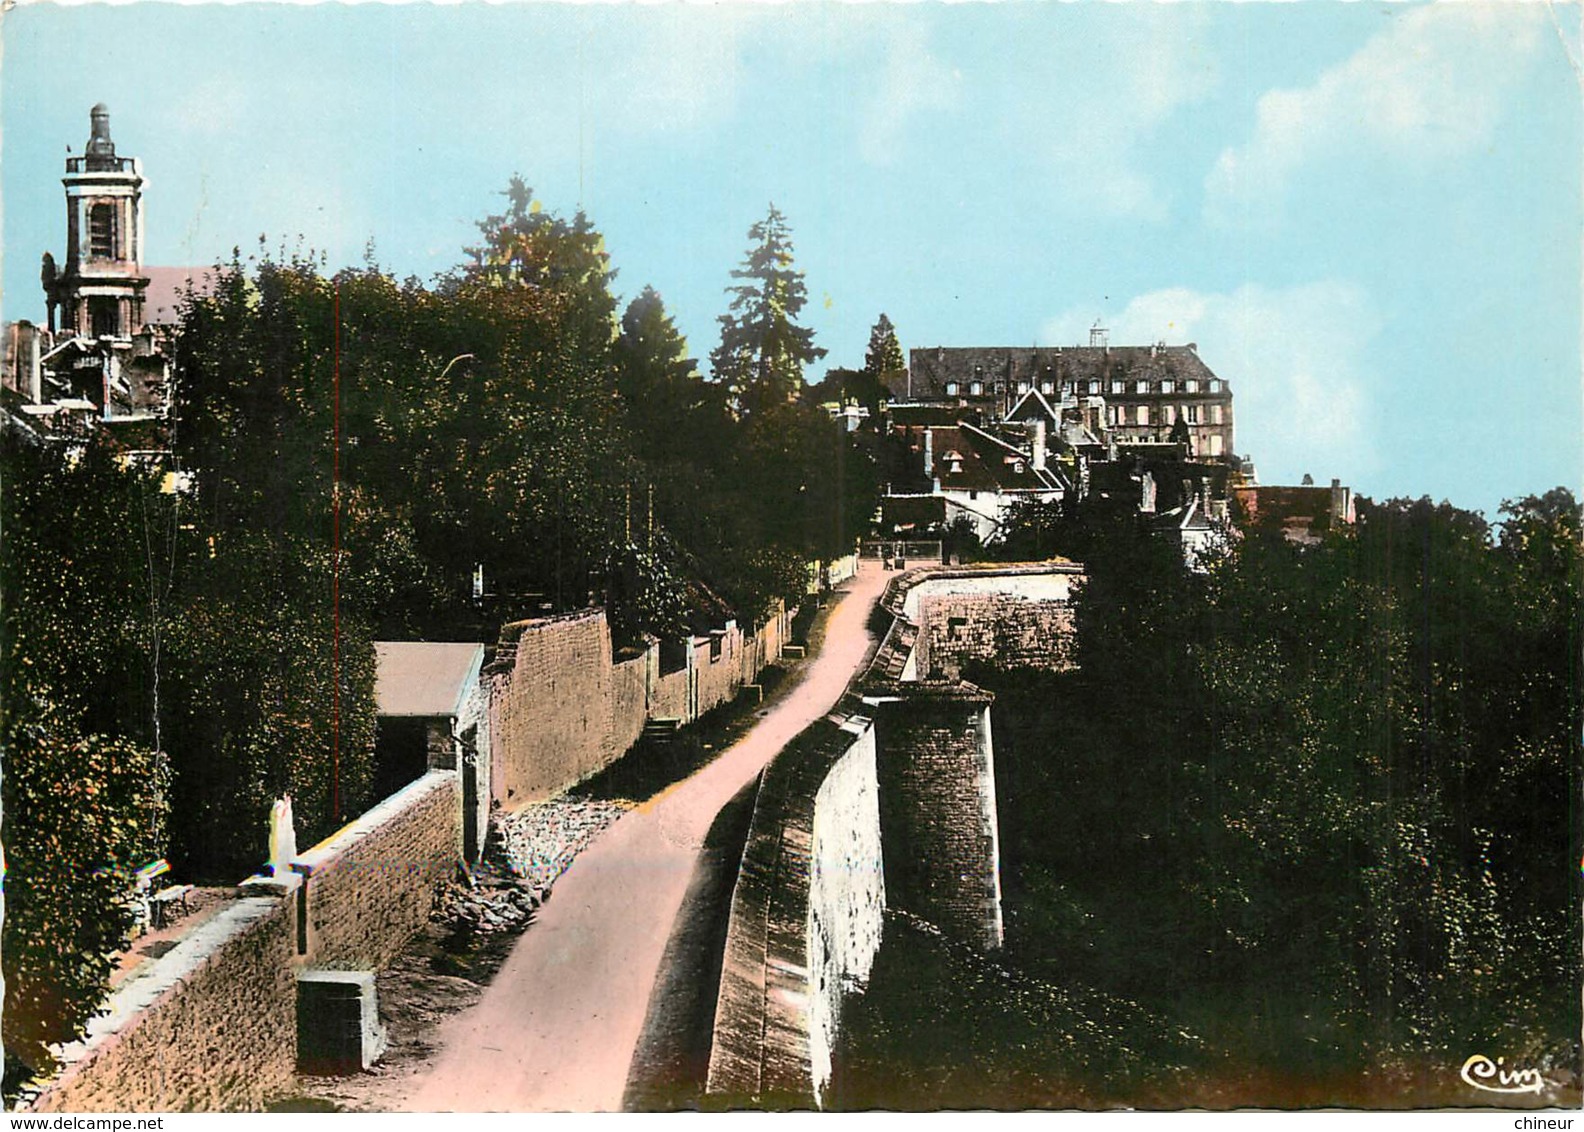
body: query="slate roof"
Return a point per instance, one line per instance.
(930, 368)
(424, 678)
(982, 462)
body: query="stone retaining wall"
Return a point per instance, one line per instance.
(212, 1024)
(805, 921)
(562, 709)
(369, 887)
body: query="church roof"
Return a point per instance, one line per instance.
(167, 285)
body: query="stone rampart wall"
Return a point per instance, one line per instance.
(937, 806)
(212, 1024)
(1007, 630)
(369, 887)
(805, 921)
(561, 709)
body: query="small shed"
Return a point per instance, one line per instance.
(434, 715)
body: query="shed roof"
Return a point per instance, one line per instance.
(426, 678)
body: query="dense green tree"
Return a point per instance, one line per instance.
(1325, 774)
(85, 793)
(762, 349)
(884, 355)
(83, 813)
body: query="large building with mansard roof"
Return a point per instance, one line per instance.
(1144, 395)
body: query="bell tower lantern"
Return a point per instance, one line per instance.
(99, 292)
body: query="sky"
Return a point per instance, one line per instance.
(1367, 216)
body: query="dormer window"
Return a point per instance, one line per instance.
(1141, 387)
(1190, 386)
(1166, 387)
(1047, 387)
(1023, 387)
(1094, 388)
(951, 389)
(1067, 389)
(1118, 387)
(1215, 385)
(976, 388)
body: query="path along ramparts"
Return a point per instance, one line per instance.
(890, 801)
(212, 1024)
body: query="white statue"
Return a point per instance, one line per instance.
(283, 837)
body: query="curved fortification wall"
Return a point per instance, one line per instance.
(888, 802)
(805, 920)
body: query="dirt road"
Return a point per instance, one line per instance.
(557, 1029)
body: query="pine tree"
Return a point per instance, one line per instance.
(650, 352)
(763, 350)
(885, 352)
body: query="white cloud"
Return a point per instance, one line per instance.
(1154, 63)
(680, 68)
(1082, 136)
(1431, 86)
(912, 81)
(1297, 359)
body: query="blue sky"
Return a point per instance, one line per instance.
(1367, 216)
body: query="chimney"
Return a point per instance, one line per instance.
(1339, 503)
(1039, 445)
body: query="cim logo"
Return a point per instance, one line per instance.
(1483, 1073)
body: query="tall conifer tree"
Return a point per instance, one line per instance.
(762, 349)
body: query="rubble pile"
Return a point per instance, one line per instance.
(528, 851)
(537, 844)
(496, 905)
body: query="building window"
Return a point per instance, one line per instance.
(1190, 386)
(102, 231)
(104, 313)
(1215, 444)
(1215, 385)
(1171, 414)
(951, 389)
(1117, 387)
(1166, 387)
(1191, 414)
(1047, 387)
(1141, 415)
(1094, 388)
(1141, 387)
(976, 388)
(1215, 414)
(1023, 387)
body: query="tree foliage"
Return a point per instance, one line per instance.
(1326, 774)
(762, 349)
(84, 796)
(884, 355)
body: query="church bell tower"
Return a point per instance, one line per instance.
(99, 293)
